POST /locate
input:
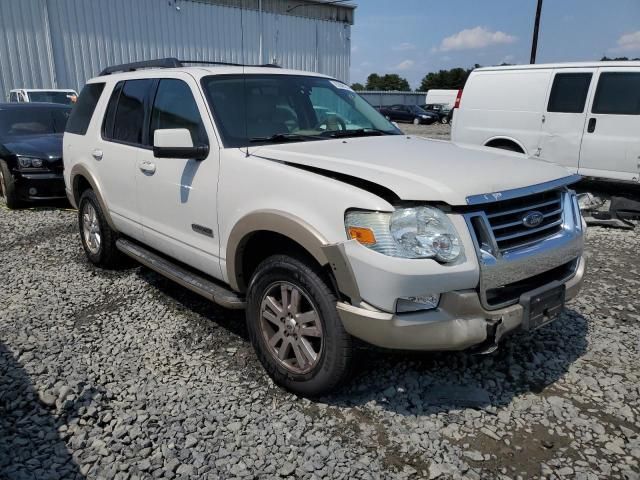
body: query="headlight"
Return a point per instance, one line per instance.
(424, 116)
(418, 232)
(28, 162)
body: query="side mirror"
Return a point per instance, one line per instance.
(177, 143)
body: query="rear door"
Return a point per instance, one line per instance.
(564, 119)
(178, 197)
(611, 142)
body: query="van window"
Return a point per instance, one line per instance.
(175, 107)
(13, 97)
(569, 92)
(618, 93)
(129, 115)
(83, 110)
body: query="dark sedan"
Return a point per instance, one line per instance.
(409, 113)
(31, 151)
(443, 111)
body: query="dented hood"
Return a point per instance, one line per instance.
(416, 168)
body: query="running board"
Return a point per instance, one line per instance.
(196, 283)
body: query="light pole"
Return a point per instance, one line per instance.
(536, 28)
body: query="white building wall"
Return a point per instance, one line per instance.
(62, 43)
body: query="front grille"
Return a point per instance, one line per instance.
(506, 219)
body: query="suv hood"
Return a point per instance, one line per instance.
(416, 168)
(47, 147)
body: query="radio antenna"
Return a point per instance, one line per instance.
(244, 78)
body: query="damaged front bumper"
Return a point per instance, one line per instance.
(459, 322)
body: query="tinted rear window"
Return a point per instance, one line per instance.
(17, 122)
(618, 93)
(83, 110)
(569, 92)
(130, 112)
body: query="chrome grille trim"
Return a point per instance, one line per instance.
(534, 206)
(553, 245)
(528, 232)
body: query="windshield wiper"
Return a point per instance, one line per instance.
(284, 137)
(360, 132)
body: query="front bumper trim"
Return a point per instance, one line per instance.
(458, 323)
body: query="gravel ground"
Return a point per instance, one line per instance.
(124, 375)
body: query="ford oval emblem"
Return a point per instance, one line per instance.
(532, 219)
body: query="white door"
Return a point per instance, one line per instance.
(177, 196)
(117, 153)
(564, 117)
(611, 142)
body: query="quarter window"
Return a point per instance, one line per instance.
(83, 109)
(618, 93)
(129, 115)
(569, 92)
(175, 107)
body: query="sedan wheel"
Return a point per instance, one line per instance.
(291, 326)
(444, 120)
(91, 228)
(416, 121)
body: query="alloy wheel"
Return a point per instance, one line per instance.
(91, 228)
(291, 327)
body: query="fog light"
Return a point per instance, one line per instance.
(33, 191)
(415, 304)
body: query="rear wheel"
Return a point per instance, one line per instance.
(507, 146)
(8, 186)
(98, 238)
(295, 328)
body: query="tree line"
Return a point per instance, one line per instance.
(448, 79)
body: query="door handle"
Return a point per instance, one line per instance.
(544, 118)
(147, 167)
(591, 127)
(97, 154)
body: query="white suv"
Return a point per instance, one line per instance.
(286, 193)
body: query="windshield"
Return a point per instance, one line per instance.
(65, 98)
(418, 110)
(255, 109)
(16, 122)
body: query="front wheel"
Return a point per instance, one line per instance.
(416, 121)
(295, 328)
(8, 186)
(444, 120)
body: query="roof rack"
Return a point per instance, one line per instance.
(170, 63)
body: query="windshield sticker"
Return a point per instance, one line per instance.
(341, 86)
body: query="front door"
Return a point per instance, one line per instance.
(611, 143)
(564, 118)
(177, 197)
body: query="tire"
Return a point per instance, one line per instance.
(416, 121)
(100, 250)
(444, 120)
(8, 187)
(509, 147)
(272, 318)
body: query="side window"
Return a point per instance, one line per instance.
(175, 107)
(618, 93)
(13, 97)
(129, 116)
(569, 92)
(83, 109)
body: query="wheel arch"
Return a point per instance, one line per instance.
(82, 179)
(498, 141)
(270, 231)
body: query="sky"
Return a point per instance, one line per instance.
(415, 37)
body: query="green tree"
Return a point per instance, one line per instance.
(357, 86)
(617, 59)
(387, 82)
(448, 79)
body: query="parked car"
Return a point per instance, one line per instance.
(24, 95)
(333, 228)
(441, 109)
(31, 152)
(585, 116)
(408, 113)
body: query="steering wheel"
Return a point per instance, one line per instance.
(331, 123)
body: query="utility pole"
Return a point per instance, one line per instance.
(536, 28)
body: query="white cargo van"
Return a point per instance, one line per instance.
(446, 97)
(584, 116)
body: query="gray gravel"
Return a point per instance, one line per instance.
(123, 375)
